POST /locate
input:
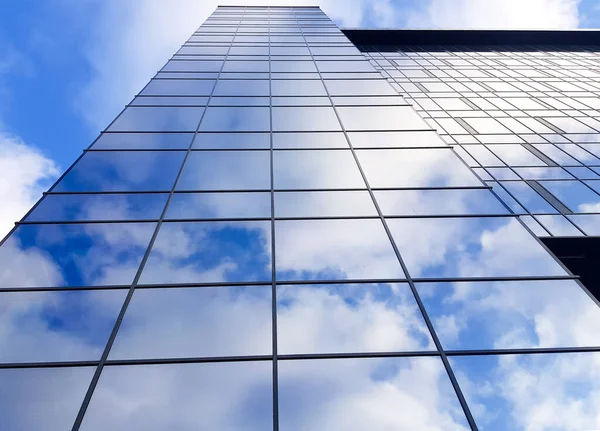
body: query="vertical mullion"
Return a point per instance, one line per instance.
(413, 288)
(113, 335)
(273, 251)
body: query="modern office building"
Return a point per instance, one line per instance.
(296, 227)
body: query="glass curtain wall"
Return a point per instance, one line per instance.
(524, 118)
(270, 237)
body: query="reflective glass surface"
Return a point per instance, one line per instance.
(219, 205)
(51, 255)
(209, 321)
(157, 119)
(57, 326)
(511, 314)
(294, 119)
(324, 204)
(143, 141)
(415, 168)
(235, 119)
(87, 207)
(223, 396)
(210, 252)
(440, 202)
(315, 169)
(226, 170)
(124, 171)
(349, 318)
(356, 394)
(470, 247)
(531, 391)
(380, 118)
(334, 249)
(42, 398)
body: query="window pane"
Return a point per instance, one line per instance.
(219, 205)
(297, 88)
(143, 141)
(324, 204)
(210, 252)
(415, 168)
(310, 140)
(208, 321)
(157, 119)
(470, 247)
(232, 141)
(511, 314)
(123, 171)
(395, 139)
(438, 202)
(300, 118)
(73, 255)
(233, 87)
(362, 394)
(254, 119)
(381, 118)
(574, 195)
(318, 169)
(226, 170)
(520, 389)
(99, 207)
(345, 318)
(218, 396)
(42, 398)
(334, 249)
(57, 326)
(179, 87)
(355, 87)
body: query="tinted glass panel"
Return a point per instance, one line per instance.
(157, 119)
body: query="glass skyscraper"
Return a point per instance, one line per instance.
(294, 227)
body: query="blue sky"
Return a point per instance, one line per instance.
(67, 68)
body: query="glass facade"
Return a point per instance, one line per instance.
(270, 236)
(524, 118)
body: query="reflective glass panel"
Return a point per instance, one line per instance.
(415, 168)
(179, 87)
(524, 392)
(297, 88)
(232, 141)
(234, 119)
(234, 87)
(292, 119)
(438, 202)
(99, 207)
(226, 170)
(143, 141)
(310, 140)
(348, 318)
(210, 252)
(470, 247)
(574, 195)
(73, 255)
(334, 249)
(511, 314)
(100, 171)
(57, 326)
(395, 139)
(381, 118)
(360, 394)
(157, 119)
(315, 169)
(324, 204)
(208, 321)
(42, 398)
(219, 205)
(218, 396)
(355, 87)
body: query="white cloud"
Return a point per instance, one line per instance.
(24, 174)
(497, 14)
